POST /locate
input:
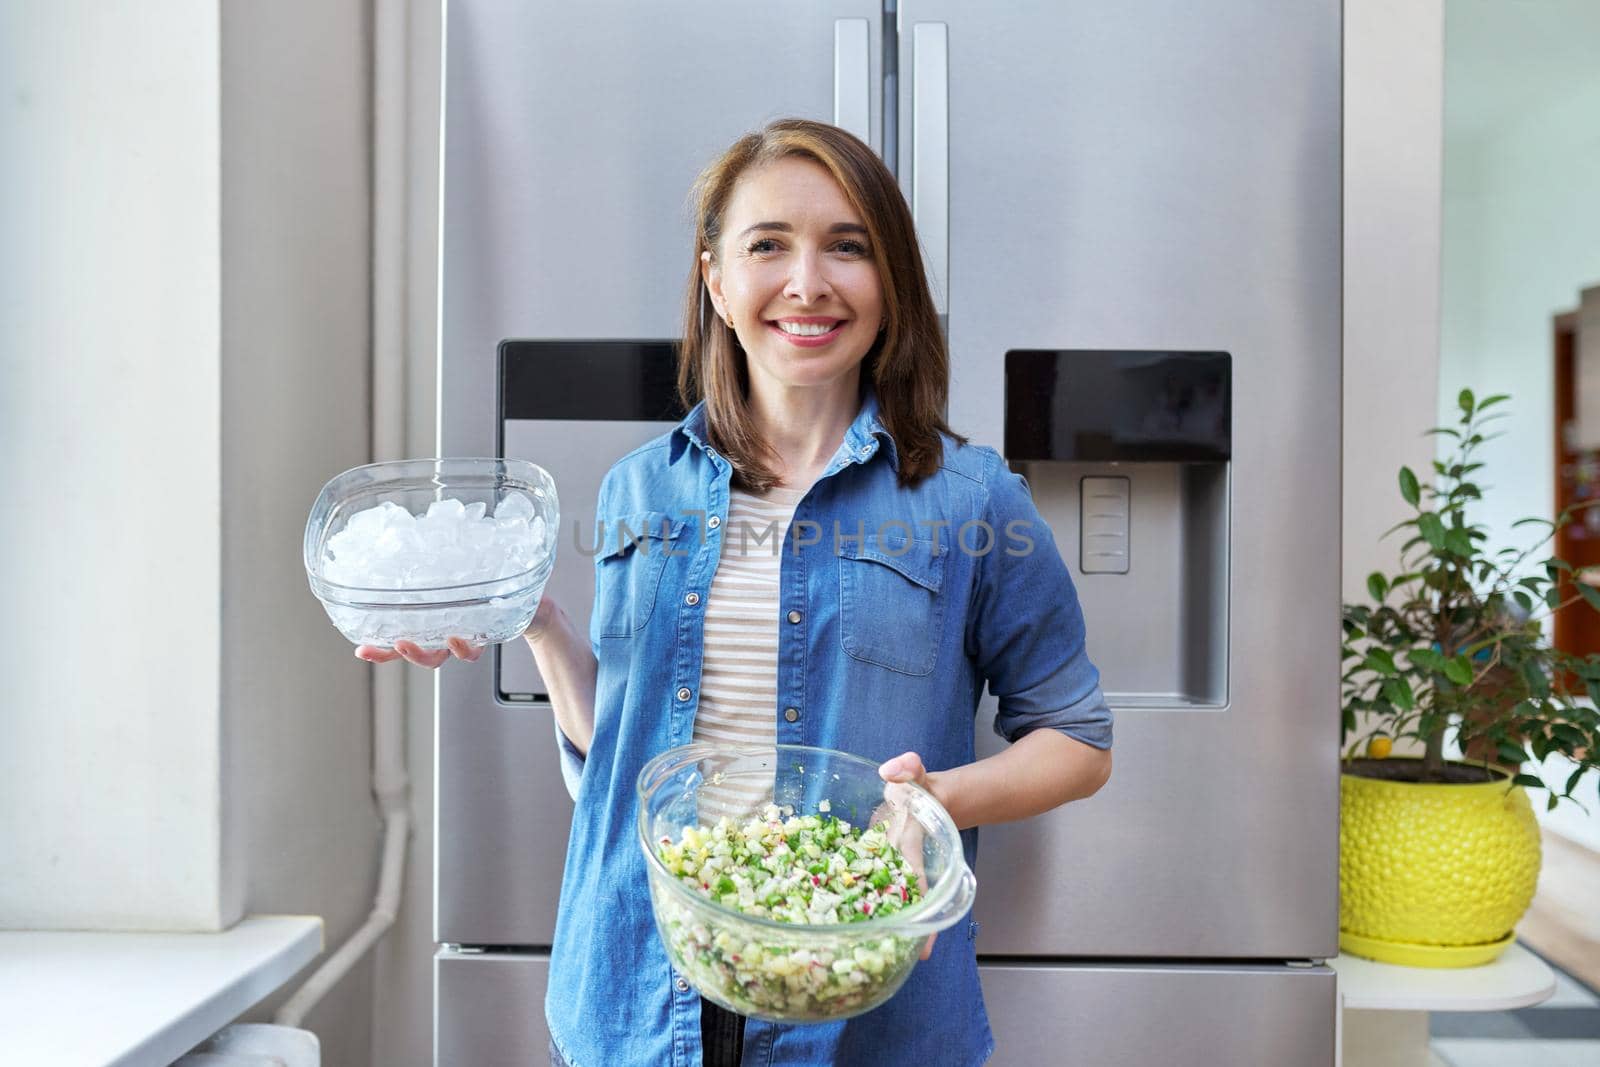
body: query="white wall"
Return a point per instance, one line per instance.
(183, 362)
(296, 248)
(1393, 89)
(1521, 239)
(110, 798)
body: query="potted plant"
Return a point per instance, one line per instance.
(1438, 857)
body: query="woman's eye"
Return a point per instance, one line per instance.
(765, 245)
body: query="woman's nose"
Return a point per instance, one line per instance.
(808, 281)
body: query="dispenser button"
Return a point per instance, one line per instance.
(1104, 527)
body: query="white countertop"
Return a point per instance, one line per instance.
(89, 999)
(1517, 979)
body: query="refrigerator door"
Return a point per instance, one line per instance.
(572, 133)
(1123, 1016)
(489, 1009)
(1161, 175)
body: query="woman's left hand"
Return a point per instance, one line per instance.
(905, 833)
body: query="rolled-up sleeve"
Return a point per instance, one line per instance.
(1025, 631)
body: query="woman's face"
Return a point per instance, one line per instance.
(796, 272)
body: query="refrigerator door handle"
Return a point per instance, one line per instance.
(930, 153)
(852, 78)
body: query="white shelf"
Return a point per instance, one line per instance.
(89, 999)
(1518, 979)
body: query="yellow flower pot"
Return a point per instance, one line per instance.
(1433, 875)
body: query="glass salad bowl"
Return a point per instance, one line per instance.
(425, 549)
(791, 971)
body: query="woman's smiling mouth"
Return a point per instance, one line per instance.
(808, 331)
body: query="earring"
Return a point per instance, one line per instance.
(730, 320)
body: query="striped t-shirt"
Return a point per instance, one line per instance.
(739, 673)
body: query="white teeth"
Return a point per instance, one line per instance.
(800, 329)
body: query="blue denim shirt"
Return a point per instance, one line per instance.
(903, 617)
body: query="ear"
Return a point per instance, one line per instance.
(711, 274)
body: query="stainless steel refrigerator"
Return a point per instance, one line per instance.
(1131, 215)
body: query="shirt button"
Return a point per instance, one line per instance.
(713, 522)
(683, 694)
(682, 985)
(795, 616)
(791, 714)
(692, 599)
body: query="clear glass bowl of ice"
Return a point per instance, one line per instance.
(426, 549)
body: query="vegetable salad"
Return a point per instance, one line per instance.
(809, 870)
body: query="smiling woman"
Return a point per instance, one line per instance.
(816, 378)
(807, 267)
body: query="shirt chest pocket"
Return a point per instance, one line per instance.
(629, 568)
(891, 602)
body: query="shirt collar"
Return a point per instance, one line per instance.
(862, 438)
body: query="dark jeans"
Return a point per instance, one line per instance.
(721, 1034)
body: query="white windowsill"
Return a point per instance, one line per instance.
(90, 999)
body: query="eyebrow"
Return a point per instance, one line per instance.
(784, 227)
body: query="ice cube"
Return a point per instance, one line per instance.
(515, 505)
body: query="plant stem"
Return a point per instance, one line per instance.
(1433, 756)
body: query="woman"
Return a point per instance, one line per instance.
(915, 569)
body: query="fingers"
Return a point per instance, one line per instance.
(422, 657)
(411, 652)
(906, 767)
(927, 947)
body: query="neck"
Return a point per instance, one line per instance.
(804, 424)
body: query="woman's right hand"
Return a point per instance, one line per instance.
(422, 657)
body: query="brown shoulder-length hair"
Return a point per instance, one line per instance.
(908, 365)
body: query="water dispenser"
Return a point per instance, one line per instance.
(1128, 455)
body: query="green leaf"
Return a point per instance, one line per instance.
(1524, 601)
(1397, 691)
(1550, 805)
(1431, 529)
(1425, 658)
(1569, 736)
(1511, 753)
(1572, 782)
(1408, 486)
(1528, 780)
(1590, 594)
(1458, 542)
(1534, 675)
(1465, 400)
(1489, 402)
(1377, 585)
(1379, 660)
(1458, 670)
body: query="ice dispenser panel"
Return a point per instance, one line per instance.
(1128, 456)
(575, 408)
